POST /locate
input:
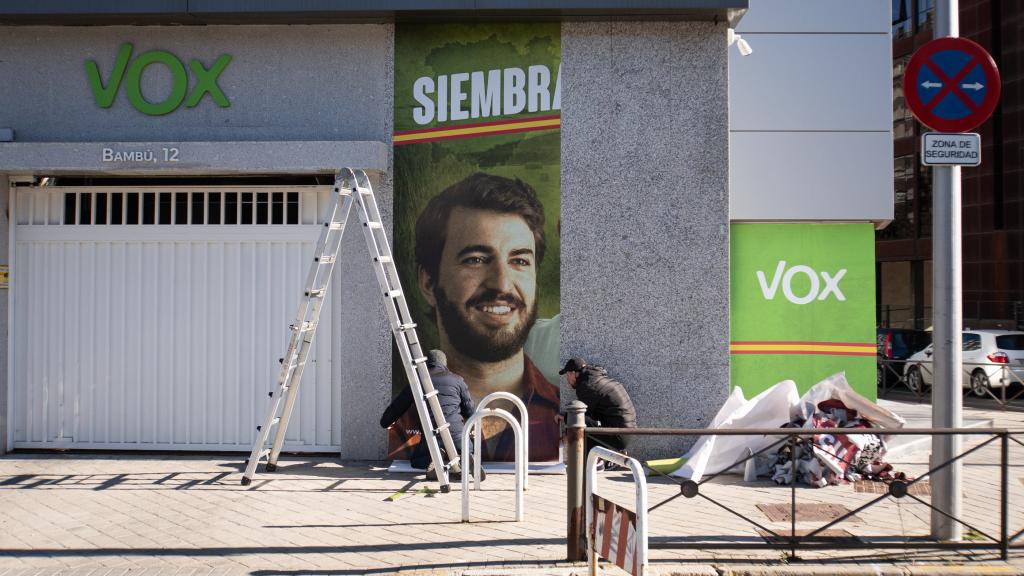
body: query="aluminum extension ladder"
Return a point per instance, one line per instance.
(353, 186)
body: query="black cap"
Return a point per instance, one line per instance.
(576, 364)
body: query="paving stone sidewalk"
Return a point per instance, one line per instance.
(110, 514)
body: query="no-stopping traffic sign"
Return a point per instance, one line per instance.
(951, 84)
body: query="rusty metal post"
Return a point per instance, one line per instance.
(574, 432)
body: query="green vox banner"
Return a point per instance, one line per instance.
(477, 173)
(802, 305)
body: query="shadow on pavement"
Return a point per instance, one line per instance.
(269, 550)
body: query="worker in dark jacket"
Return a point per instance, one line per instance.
(608, 403)
(452, 395)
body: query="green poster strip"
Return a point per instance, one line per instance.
(802, 305)
(477, 176)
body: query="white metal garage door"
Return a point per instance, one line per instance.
(153, 318)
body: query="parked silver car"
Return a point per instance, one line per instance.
(992, 359)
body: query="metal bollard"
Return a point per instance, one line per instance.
(574, 433)
(520, 464)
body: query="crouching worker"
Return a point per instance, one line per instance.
(456, 405)
(608, 403)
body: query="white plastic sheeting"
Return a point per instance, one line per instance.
(836, 387)
(772, 408)
(769, 409)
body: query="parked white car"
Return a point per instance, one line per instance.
(992, 359)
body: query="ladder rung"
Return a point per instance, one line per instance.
(374, 225)
(418, 361)
(430, 395)
(305, 327)
(263, 454)
(316, 293)
(272, 422)
(393, 293)
(364, 191)
(384, 259)
(334, 225)
(441, 428)
(407, 327)
(325, 259)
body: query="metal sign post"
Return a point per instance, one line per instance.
(947, 322)
(951, 85)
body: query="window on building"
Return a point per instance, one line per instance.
(902, 225)
(925, 13)
(924, 200)
(902, 25)
(902, 119)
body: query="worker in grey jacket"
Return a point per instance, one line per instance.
(453, 396)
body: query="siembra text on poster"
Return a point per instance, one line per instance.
(498, 92)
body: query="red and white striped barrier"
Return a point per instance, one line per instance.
(614, 532)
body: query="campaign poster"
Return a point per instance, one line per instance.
(802, 305)
(476, 233)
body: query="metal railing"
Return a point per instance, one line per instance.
(893, 374)
(998, 540)
(1006, 313)
(903, 316)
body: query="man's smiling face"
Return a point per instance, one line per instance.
(485, 292)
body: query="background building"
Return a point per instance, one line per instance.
(993, 193)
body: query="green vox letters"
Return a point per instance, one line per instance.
(206, 81)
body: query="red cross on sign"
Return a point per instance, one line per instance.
(951, 84)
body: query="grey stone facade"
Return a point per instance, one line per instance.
(645, 215)
(283, 82)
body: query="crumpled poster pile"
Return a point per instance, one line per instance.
(852, 453)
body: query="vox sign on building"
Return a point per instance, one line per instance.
(128, 71)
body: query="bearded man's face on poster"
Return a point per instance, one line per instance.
(485, 293)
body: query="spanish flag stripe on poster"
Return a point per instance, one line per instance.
(819, 348)
(475, 130)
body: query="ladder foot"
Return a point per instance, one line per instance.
(271, 467)
(446, 488)
(246, 481)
